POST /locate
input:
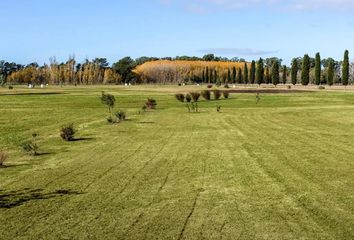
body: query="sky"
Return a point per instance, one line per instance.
(35, 30)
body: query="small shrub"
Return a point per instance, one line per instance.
(218, 108)
(180, 97)
(144, 108)
(3, 157)
(226, 86)
(206, 94)
(258, 98)
(30, 146)
(217, 94)
(289, 87)
(195, 96)
(108, 100)
(226, 94)
(67, 132)
(120, 115)
(151, 103)
(209, 86)
(11, 87)
(188, 97)
(109, 119)
(321, 87)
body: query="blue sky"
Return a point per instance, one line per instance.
(34, 30)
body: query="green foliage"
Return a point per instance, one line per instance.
(180, 97)
(318, 69)
(253, 72)
(275, 73)
(330, 72)
(267, 78)
(234, 75)
(218, 108)
(31, 146)
(108, 100)
(260, 72)
(305, 73)
(195, 96)
(124, 68)
(226, 86)
(239, 76)
(345, 69)
(245, 74)
(206, 94)
(188, 98)
(285, 74)
(217, 94)
(294, 70)
(67, 132)
(120, 115)
(151, 103)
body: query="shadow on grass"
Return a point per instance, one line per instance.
(32, 94)
(16, 198)
(82, 139)
(146, 122)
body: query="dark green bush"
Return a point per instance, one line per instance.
(195, 96)
(321, 87)
(217, 94)
(225, 94)
(151, 103)
(11, 87)
(120, 115)
(206, 94)
(226, 86)
(180, 97)
(188, 97)
(209, 86)
(30, 146)
(67, 132)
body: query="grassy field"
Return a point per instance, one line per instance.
(282, 169)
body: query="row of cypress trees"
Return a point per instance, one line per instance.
(257, 73)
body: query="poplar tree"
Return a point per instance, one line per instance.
(245, 73)
(294, 70)
(330, 72)
(345, 69)
(215, 76)
(275, 73)
(253, 72)
(259, 72)
(285, 73)
(234, 74)
(203, 76)
(318, 69)
(305, 73)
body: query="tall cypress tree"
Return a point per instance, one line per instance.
(318, 69)
(215, 76)
(275, 73)
(203, 77)
(285, 74)
(245, 73)
(253, 72)
(267, 76)
(294, 70)
(259, 72)
(228, 75)
(239, 76)
(234, 74)
(330, 72)
(207, 75)
(305, 73)
(345, 69)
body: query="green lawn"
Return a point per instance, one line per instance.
(282, 169)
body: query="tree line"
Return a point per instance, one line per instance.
(207, 69)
